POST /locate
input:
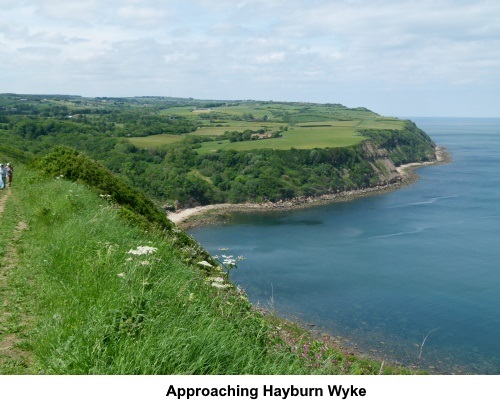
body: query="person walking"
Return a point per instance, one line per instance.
(3, 176)
(10, 173)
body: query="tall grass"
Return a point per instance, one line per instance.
(98, 308)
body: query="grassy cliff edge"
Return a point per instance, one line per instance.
(102, 283)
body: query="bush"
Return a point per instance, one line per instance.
(74, 166)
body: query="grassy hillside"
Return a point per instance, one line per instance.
(80, 298)
(307, 125)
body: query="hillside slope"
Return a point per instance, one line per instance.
(218, 152)
(102, 285)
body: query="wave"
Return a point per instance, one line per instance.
(427, 202)
(390, 235)
(423, 228)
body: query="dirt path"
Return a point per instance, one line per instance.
(13, 359)
(3, 197)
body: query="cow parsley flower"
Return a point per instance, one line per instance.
(216, 279)
(142, 250)
(220, 286)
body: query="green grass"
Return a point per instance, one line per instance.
(155, 140)
(242, 109)
(98, 309)
(298, 137)
(311, 126)
(309, 135)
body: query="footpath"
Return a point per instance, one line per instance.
(12, 319)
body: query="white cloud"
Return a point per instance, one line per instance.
(271, 57)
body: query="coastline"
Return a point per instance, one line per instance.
(348, 346)
(216, 213)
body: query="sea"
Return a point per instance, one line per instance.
(409, 277)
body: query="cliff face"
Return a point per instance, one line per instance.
(387, 149)
(409, 145)
(382, 165)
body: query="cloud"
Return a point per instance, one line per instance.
(76, 12)
(144, 17)
(43, 51)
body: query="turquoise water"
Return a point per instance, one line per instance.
(386, 270)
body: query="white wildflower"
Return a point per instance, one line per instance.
(228, 261)
(205, 263)
(144, 263)
(142, 250)
(121, 275)
(221, 286)
(216, 279)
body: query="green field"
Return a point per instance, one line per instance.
(155, 140)
(299, 138)
(230, 126)
(307, 125)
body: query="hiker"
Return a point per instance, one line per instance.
(10, 172)
(3, 176)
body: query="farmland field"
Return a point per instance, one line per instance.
(299, 138)
(230, 126)
(301, 125)
(155, 140)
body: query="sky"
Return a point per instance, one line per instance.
(403, 58)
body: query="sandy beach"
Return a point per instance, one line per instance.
(181, 217)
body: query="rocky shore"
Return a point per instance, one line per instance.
(216, 213)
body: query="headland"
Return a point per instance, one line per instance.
(216, 213)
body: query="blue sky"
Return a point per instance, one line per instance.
(395, 57)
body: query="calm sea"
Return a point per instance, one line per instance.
(386, 271)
